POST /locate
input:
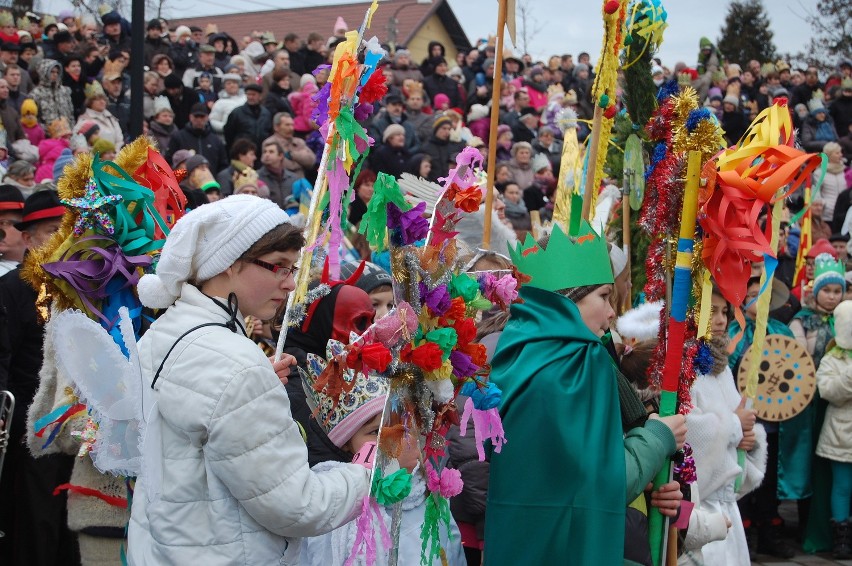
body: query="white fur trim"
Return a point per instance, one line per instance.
(640, 323)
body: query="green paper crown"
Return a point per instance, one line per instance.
(567, 262)
(825, 264)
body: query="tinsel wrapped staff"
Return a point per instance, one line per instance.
(681, 293)
(339, 97)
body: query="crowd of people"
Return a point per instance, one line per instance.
(236, 117)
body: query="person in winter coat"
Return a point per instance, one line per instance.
(439, 83)
(230, 98)
(96, 111)
(403, 69)
(197, 135)
(841, 108)
(74, 79)
(833, 185)
(49, 150)
(834, 379)
(183, 51)
(154, 42)
(394, 114)
(303, 107)
(247, 488)
(53, 99)
(817, 128)
(29, 122)
(181, 99)
(162, 124)
(274, 172)
(251, 120)
(435, 49)
(442, 151)
(718, 425)
(391, 157)
(279, 89)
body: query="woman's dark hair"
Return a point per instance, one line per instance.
(282, 238)
(241, 147)
(635, 363)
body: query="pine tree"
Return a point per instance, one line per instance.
(746, 34)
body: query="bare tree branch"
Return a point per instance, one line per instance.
(529, 25)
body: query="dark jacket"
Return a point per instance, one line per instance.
(841, 112)
(276, 100)
(310, 60)
(78, 92)
(184, 56)
(162, 134)
(251, 122)
(204, 142)
(154, 47)
(441, 152)
(390, 160)
(382, 120)
(815, 134)
(11, 121)
(280, 184)
(442, 84)
(182, 105)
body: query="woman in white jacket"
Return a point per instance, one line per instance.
(230, 97)
(834, 379)
(96, 111)
(225, 470)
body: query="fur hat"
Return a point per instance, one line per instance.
(816, 103)
(392, 130)
(207, 242)
(843, 325)
(478, 111)
(640, 323)
(182, 31)
(161, 104)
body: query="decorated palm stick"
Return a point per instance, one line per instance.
(675, 336)
(495, 113)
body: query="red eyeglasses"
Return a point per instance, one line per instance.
(279, 270)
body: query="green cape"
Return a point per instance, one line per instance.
(557, 491)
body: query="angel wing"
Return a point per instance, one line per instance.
(417, 189)
(108, 382)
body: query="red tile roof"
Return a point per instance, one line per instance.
(410, 17)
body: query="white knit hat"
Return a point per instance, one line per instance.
(206, 242)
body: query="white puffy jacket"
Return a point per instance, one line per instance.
(225, 462)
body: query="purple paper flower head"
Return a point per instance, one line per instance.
(320, 113)
(409, 226)
(438, 300)
(463, 366)
(363, 110)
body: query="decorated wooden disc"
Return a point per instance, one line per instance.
(786, 380)
(634, 171)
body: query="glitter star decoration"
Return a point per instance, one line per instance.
(91, 208)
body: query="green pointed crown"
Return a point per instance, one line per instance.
(826, 265)
(567, 262)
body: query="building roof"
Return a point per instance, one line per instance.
(410, 16)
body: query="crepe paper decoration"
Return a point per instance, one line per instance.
(397, 325)
(477, 353)
(373, 54)
(375, 89)
(482, 405)
(375, 356)
(676, 333)
(365, 540)
(92, 210)
(86, 268)
(447, 482)
(56, 419)
(136, 218)
(427, 357)
(501, 292)
(437, 514)
(332, 382)
(463, 366)
(465, 330)
(385, 191)
(445, 339)
(391, 489)
(408, 225)
(468, 199)
(464, 286)
(762, 169)
(169, 199)
(684, 470)
(604, 92)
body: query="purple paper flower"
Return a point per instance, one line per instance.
(320, 112)
(411, 224)
(438, 300)
(363, 111)
(463, 367)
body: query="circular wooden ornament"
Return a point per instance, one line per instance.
(786, 378)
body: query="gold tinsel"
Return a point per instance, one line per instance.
(705, 138)
(72, 184)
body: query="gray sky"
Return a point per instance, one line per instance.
(578, 26)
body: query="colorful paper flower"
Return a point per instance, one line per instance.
(445, 338)
(375, 89)
(462, 285)
(465, 330)
(427, 357)
(447, 482)
(462, 365)
(438, 299)
(468, 199)
(411, 224)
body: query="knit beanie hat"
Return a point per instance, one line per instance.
(102, 146)
(577, 293)
(827, 271)
(206, 242)
(371, 279)
(391, 130)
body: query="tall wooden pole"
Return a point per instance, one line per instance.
(625, 238)
(495, 114)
